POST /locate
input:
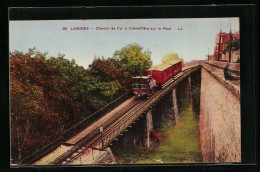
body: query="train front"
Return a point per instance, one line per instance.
(143, 85)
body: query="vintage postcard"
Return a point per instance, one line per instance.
(125, 91)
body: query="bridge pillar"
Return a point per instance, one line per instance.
(149, 126)
(175, 107)
(190, 90)
(189, 79)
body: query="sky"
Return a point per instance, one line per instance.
(193, 42)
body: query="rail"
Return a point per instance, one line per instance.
(93, 134)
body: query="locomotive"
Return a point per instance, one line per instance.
(155, 77)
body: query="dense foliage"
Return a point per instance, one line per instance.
(107, 71)
(50, 95)
(132, 59)
(78, 79)
(94, 87)
(171, 56)
(41, 103)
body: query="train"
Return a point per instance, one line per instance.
(155, 77)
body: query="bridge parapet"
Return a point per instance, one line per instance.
(217, 71)
(234, 67)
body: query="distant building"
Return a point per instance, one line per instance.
(211, 57)
(222, 40)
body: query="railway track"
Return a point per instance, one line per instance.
(107, 131)
(112, 124)
(93, 134)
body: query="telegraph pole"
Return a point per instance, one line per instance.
(230, 43)
(101, 131)
(208, 53)
(219, 41)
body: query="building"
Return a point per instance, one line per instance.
(222, 40)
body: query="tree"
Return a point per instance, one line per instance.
(85, 83)
(171, 56)
(111, 82)
(107, 71)
(132, 59)
(41, 103)
(234, 45)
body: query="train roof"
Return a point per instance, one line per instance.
(163, 66)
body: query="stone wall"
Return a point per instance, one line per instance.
(106, 157)
(220, 129)
(235, 55)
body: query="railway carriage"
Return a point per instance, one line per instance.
(163, 72)
(143, 85)
(156, 77)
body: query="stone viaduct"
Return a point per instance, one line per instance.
(220, 119)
